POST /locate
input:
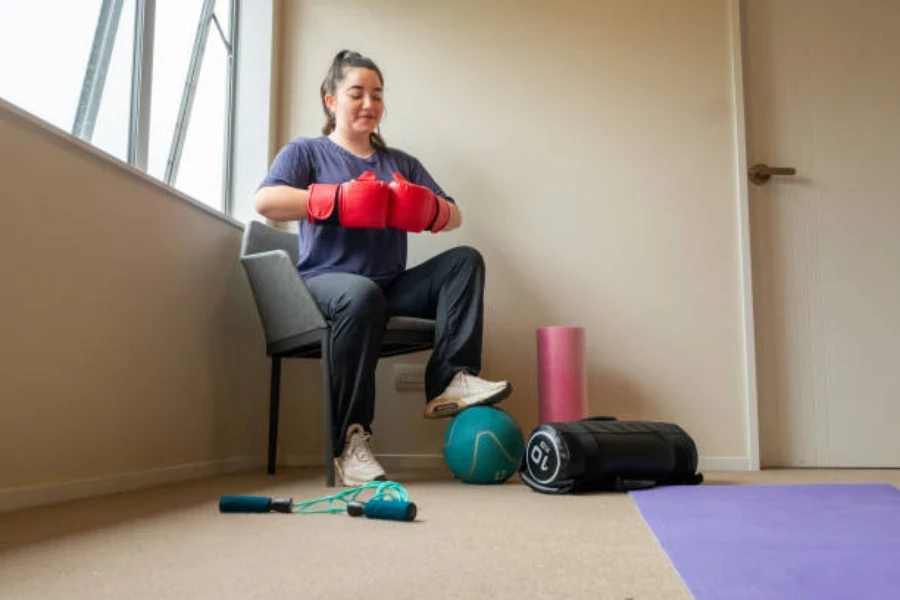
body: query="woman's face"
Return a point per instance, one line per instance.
(358, 102)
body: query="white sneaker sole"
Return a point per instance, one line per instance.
(342, 479)
(448, 408)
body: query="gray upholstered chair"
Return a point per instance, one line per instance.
(295, 327)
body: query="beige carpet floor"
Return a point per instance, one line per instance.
(469, 542)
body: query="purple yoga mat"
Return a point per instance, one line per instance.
(821, 542)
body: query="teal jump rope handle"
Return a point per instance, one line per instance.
(394, 510)
(254, 504)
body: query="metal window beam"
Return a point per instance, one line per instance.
(228, 171)
(141, 83)
(190, 88)
(97, 69)
(218, 25)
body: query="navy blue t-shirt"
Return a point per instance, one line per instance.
(379, 254)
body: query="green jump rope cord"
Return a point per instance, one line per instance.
(336, 503)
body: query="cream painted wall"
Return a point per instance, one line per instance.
(131, 350)
(591, 148)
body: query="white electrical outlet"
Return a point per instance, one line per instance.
(409, 377)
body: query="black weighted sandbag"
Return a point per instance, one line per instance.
(603, 453)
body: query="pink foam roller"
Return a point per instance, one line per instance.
(562, 380)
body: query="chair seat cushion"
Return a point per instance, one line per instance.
(403, 335)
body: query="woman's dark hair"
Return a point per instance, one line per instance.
(343, 60)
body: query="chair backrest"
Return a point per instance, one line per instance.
(259, 237)
(286, 306)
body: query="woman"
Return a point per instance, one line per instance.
(356, 200)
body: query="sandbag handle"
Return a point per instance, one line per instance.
(624, 484)
(631, 485)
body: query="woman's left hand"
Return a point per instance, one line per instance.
(455, 218)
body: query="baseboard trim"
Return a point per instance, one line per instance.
(388, 461)
(724, 463)
(299, 460)
(412, 461)
(32, 496)
(436, 461)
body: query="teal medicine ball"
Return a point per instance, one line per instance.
(483, 444)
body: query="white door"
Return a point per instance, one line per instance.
(822, 86)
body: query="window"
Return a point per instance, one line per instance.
(147, 81)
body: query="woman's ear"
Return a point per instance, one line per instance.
(329, 102)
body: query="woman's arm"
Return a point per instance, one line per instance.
(281, 203)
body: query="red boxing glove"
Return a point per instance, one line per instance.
(416, 208)
(442, 217)
(363, 202)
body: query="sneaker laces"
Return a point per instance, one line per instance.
(358, 447)
(472, 384)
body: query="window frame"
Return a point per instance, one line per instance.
(248, 149)
(94, 80)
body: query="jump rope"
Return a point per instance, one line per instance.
(389, 500)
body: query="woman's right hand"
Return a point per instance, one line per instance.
(281, 203)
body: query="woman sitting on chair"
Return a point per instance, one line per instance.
(356, 200)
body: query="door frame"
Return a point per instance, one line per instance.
(742, 194)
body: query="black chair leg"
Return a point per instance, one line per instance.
(273, 413)
(327, 408)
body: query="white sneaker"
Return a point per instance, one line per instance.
(357, 464)
(464, 392)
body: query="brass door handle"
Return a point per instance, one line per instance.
(762, 173)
